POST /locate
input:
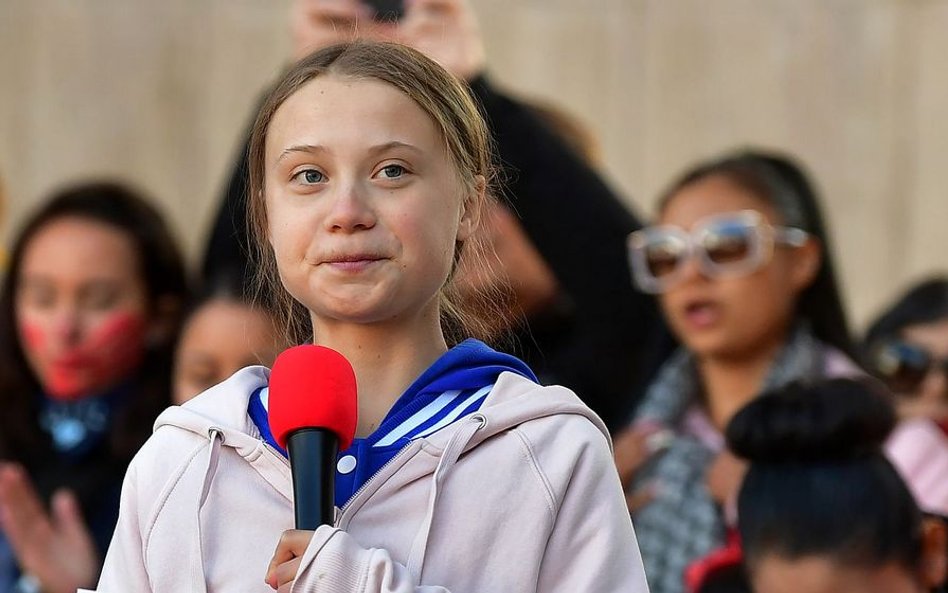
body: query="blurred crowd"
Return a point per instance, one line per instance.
(763, 444)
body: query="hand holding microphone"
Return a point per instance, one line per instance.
(313, 411)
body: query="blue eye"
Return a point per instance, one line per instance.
(393, 171)
(310, 177)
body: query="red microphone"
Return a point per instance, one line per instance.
(313, 410)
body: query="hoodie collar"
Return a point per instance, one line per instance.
(469, 365)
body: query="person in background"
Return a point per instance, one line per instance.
(743, 267)
(588, 327)
(907, 348)
(89, 313)
(223, 333)
(821, 508)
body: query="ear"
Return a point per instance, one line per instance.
(934, 565)
(806, 263)
(471, 209)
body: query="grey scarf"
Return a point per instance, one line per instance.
(684, 523)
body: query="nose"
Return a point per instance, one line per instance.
(350, 209)
(935, 385)
(66, 327)
(690, 270)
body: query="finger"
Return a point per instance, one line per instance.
(353, 8)
(286, 572)
(318, 24)
(427, 15)
(433, 6)
(68, 518)
(292, 543)
(23, 510)
(659, 440)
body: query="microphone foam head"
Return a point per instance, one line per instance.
(312, 387)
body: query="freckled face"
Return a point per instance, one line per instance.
(364, 204)
(80, 307)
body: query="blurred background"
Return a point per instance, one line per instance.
(161, 93)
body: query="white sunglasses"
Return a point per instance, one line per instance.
(725, 245)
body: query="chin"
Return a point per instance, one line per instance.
(707, 345)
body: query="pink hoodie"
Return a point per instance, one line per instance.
(521, 496)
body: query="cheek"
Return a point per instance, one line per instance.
(112, 350)
(33, 336)
(291, 238)
(118, 332)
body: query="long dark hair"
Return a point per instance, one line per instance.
(819, 483)
(162, 272)
(926, 302)
(781, 181)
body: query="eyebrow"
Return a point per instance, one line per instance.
(307, 148)
(315, 148)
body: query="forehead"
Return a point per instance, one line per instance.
(344, 112)
(76, 248)
(774, 574)
(712, 195)
(933, 336)
(227, 328)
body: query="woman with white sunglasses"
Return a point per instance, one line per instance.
(739, 259)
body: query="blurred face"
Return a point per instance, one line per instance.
(733, 315)
(219, 339)
(364, 204)
(774, 574)
(81, 307)
(930, 399)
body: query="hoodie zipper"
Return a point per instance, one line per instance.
(475, 417)
(368, 482)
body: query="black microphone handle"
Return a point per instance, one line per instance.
(313, 464)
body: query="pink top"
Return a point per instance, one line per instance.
(919, 451)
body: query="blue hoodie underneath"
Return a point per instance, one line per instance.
(453, 387)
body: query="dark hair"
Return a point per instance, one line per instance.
(781, 181)
(448, 102)
(818, 482)
(226, 283)
(162, 272)
(926, 302)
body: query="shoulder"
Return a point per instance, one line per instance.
(183, 432)
(837, 365)
(556, 432)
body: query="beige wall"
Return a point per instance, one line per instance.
(160, 93)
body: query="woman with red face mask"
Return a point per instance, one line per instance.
(88, 312)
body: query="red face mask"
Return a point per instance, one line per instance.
(104, 355)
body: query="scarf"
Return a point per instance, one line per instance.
(684, 523)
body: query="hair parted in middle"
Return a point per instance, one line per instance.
(451, 107)
(781, 181)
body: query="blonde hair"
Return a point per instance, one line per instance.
(449, 104)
